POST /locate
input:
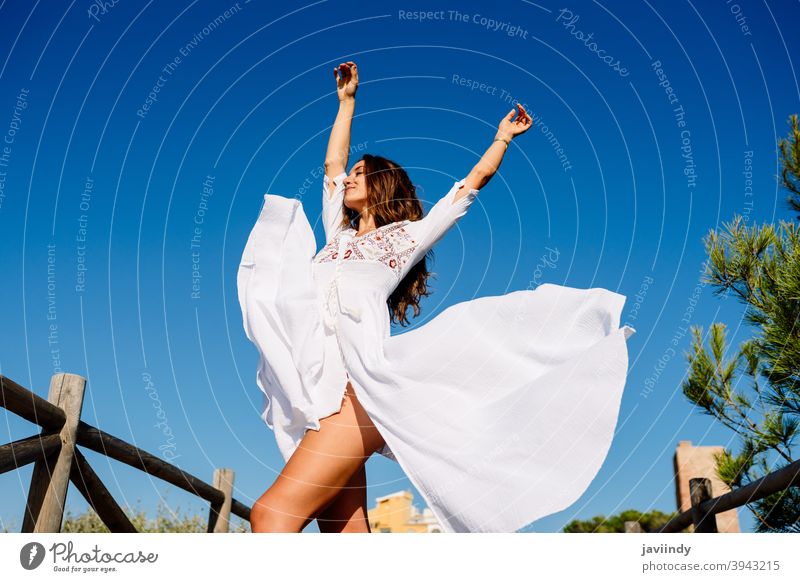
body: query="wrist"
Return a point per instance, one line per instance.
(500, 136)
(348, 99)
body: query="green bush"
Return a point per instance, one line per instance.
(650, 522)
(166, 521)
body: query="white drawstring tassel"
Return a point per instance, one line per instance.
(353, 312)
(328, 315)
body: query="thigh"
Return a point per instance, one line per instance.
(325, 461)
(348, 510)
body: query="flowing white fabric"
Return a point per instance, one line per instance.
(500, 409)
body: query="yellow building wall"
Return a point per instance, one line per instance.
(394, 513)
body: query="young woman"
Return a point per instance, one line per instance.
(500, 410)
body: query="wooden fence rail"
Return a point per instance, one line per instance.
(704, 509)
(58, 461)
(702, 514)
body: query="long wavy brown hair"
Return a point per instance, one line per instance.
(392, 197)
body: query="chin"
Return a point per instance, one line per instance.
(353, 204)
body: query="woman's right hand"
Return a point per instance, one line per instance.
(346, 80)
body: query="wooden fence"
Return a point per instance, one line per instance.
(57, 461)
(702, 514)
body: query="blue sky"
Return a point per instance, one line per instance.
(119, 117)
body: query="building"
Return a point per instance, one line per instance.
(395, 513)
(691, 462)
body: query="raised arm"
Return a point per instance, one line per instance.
(428, 230)
(486, 167)
(338, 150)
(339, 141)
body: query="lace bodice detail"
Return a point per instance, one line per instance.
(391, 245)
(398, 245)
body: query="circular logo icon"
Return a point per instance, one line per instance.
(31, 555)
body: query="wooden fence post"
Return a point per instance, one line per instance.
(633, 527)
(700, 491)
(219, 515)
(95, 492)
(48, 491)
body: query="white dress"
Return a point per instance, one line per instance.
(500, 409)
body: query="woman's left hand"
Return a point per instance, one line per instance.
(520, 125)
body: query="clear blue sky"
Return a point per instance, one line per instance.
(110, 183)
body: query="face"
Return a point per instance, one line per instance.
(355, 187)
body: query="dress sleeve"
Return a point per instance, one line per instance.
(332, 203)
(442, 216)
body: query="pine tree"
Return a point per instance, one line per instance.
(790, 152)
(756, 393)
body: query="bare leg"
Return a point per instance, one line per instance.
(324, 463)
(347, 513)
